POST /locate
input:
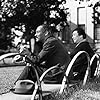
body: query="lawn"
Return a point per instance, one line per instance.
(91, 91)
(8, 76)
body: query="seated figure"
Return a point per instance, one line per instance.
(79, 68)
(53, 53)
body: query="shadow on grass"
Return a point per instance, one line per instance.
(91, 91)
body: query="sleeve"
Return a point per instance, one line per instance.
(81, 62)
(49, 48)
(74, 52)
(81, 47)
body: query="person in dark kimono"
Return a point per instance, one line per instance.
(80, 65)
(53, 53)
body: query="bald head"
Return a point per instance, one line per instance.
(41, 32)
(39, 28)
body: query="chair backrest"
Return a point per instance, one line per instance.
(66, 73)
(70, 67)
(95, 59)
(43, 75)
(7, 55)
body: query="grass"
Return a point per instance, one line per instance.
(91, 91)
(8, 76)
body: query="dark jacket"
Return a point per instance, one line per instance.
(37, 47)
(80, 64)
(53, 53)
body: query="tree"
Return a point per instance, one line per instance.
(96, 14)
(31, 13)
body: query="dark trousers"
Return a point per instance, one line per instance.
(29, 73)
(51, 77)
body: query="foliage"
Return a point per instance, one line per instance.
(96, 14)
(31, 13)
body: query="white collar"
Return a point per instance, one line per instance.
(80, 42)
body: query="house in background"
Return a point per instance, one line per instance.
(82, 14)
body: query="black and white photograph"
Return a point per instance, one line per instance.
(49, 49)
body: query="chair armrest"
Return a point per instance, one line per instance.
(93, 57)
(7, 55)
(74, 59)
(70, 67)
(43, 75)
(97, 62)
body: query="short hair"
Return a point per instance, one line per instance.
(45, 28)
(80, 31)
(53, 29)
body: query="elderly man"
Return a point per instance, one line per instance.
(52, 53)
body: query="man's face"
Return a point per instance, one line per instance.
(39, 34)
(75, 36)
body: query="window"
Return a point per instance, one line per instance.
(82, 0)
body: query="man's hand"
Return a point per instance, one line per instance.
(26, 52)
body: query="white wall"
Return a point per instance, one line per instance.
(73, 14)
(85, 17)
(90, 25)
